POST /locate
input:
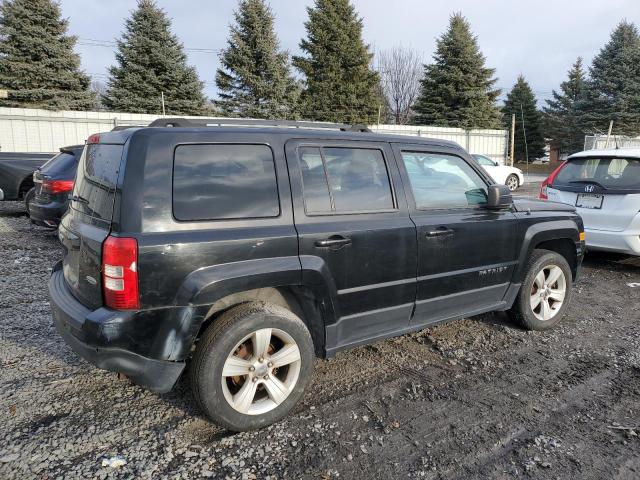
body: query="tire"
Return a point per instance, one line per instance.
(234, 336)
(512, 182)
(533, 318)
(28, 197)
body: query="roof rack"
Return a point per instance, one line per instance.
(242, 122)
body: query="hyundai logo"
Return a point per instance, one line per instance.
(589, 188)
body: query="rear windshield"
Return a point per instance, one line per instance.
(608, 173)
(62, 164)
(96, 180)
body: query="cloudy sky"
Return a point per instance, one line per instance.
(539, 39)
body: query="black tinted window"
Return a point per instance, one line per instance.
(62, 164)
(96, 180)
(223, 182)
(345, 180)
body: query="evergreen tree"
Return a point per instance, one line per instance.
(457, 89)
(339, 84)
(151, 60)
(255, 79)
(522, 102)
(37, 63)
(613, 91)
(562, 113)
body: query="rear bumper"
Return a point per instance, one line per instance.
(621, 242)
(89, 333)
(47, 214)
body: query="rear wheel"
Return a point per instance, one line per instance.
(28, 197)
(251, 366)
(512, 182)
(545, 292)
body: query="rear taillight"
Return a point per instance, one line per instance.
(120, 273)
(93, 139)
(548, 182)
(57, 186)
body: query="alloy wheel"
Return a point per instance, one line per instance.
(512, 183)
(548, 292)
(261, 371)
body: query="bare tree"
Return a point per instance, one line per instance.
(400, 72)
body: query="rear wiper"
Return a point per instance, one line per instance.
(590, 181)
(78, 198)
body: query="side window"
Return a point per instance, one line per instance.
(484, 161)
(212, 182)
(342, 180)
(443, 181)
(316, 189)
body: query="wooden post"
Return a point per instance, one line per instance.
(606, 145)
(513, 138)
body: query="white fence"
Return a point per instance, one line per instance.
(593, 142)
(31, 130)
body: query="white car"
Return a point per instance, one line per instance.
(510, 176)
(604, 186)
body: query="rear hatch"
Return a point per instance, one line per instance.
(604, 190)
(88, 221)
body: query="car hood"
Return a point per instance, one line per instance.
(523, 205)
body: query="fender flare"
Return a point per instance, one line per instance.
(542, 232)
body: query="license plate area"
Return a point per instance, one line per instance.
(589, 200)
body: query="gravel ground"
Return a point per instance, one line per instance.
(477, 398)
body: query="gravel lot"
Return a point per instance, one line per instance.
(476, 398)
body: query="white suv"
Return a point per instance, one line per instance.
(604, 186)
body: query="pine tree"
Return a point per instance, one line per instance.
(37, 63)
(339, 84)
(457, 89)
(151, 61)
(522, 102)
(562, 113)
(613, 91)
(255, 79)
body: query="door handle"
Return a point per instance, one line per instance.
(333, 241)
(440, 232)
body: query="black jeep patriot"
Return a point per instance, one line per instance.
(240, 253)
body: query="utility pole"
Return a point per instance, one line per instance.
(162, 98)
(524, 135)
(606, 145)
(513, 137)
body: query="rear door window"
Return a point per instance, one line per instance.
(96, 179)
(608, 173)
(345, 180)
(215, 182)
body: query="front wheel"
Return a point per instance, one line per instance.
(545, 291)
(251, 366)
(512, 182)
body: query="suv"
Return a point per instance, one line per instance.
(49, 199)
(244, 252)
(604, 185)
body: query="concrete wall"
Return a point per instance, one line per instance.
(31, 130)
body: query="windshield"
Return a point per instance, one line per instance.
(609, 173)
(63, 163)
(484, 161)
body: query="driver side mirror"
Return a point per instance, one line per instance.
(499, 197)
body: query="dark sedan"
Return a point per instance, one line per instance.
(53, 184)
